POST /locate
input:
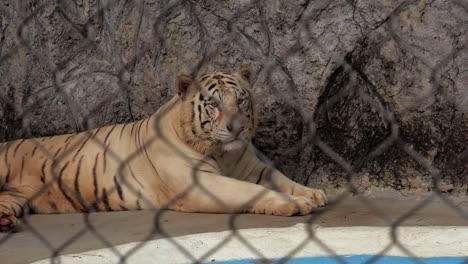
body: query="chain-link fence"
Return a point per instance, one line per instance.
(71, 66)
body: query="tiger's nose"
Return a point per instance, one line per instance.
(234, 129)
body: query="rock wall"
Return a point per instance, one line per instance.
(369, 92)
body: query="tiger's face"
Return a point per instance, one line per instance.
(220, 106)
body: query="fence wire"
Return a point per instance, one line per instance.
(268, 64)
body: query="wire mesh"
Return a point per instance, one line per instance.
(64, 78)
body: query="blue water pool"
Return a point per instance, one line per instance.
(357, 260)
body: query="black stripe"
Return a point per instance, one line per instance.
(236, 92)
(193, 112)
(7, 177)
(60, 184)
(147, 123)
(261, 175)
(199, 112)
(204, 77)
(133, 176)
(97, 131)
(108, 134)
(119, 189)
(121, 131)
(17, 147)
(34, 151)
(211, 86)
(66, 145)
(204, 123)
(133, 127)
(77, 184)
(105, 200)
(43, 171)
(95, 182)
(6, 152)
(104, 159)
(62, 170)
(82, 145)
(57, 152)
(200, 97)
(68, 138)
(231, 83)
(22, 169)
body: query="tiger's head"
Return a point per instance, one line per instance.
(217, 109)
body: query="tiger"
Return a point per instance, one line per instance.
(194, 154)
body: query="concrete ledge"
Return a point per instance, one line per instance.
(349, 224)
(295, 241)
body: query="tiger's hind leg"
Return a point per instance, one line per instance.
(12, 206)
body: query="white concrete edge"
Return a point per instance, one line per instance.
(432, 241)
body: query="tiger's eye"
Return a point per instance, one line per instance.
(241, 101)
(214, 104)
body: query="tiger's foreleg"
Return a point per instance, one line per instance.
(13, 205)
(213, 193)
(273, 179)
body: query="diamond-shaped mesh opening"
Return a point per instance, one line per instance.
(329, 104)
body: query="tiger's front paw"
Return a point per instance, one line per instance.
(316, 195)
(7, 220)
(288, 206)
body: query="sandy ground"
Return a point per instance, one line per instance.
(43, 236)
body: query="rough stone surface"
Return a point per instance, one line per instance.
(352, 73)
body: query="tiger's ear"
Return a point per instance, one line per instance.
(247, 72)
(183, 84)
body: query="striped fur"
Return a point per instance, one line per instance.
(196, 139)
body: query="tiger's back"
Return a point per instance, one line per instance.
(75, 172)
